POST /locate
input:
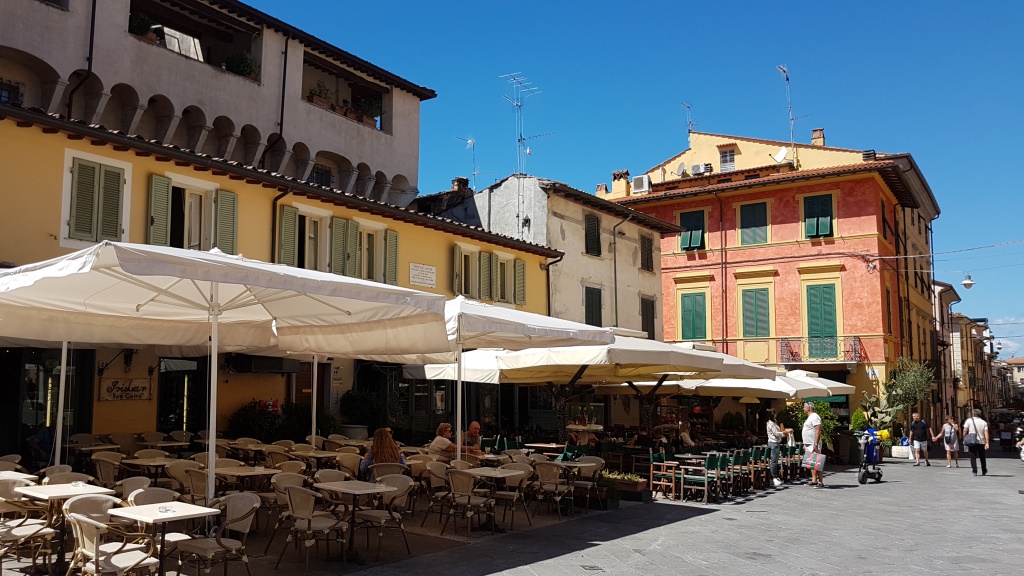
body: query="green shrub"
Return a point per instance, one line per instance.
(364, 408)
(858, 421)
(243, 64)
(254, 420)
(793, 417)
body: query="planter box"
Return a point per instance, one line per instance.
(900, 452)
(320, 102)
(641, 496)
(370, 121)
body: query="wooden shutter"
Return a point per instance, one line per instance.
(755, 313)
(592, 306)
(485, 275)
(693, 315)
(84, 184)
(825, 215)
(753, 224)
(226, 227)
(288, 236)
(111, 200)
(495, 279)
(647, 253)
(352, 256)
(818, 216)
(647, 312)
(457, 270)
(390, 257)
(810, 217)
(520, 282)
(159, 211)
(821, 321)
(339, 234)
(692, 237)
(592, 231)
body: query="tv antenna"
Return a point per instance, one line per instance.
(689, 120)
(521, 90)
(792, 120)
(471, 145)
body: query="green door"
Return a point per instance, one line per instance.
(821, 321)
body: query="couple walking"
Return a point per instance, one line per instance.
(975, 438)
(811, 436)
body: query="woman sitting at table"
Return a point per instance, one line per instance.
(641, 440)
(684, 435)
(384, 450)
(442, 447)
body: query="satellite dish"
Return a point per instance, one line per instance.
(681, 169)
(780, 155)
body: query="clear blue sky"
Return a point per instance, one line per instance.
(941, 80)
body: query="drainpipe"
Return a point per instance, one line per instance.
(615, 266)
(92, 45)
(899, 289)
(273, 223)
(724, 264)
(547, 278)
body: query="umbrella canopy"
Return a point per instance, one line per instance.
(780, 387)
(832, 387)
(141, 294)
(732, 366)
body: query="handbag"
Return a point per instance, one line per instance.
(814, 461)
(972, 438)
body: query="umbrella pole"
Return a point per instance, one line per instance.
(59, 434)
(211, 447)
(458, 395)
(313, 389)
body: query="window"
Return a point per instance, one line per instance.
(755, 313)
(467, 271)
(648, 306)
(501, 277)
(754, 224)
(692, 236)
(647, 253)
(502, 288)
(592, 234)
(97, 192)
(308, 256)
(821, 321)
(728, 160)
(321, 175)
(818, 216)
(11, 92)
(885, 223)
(888, 311)
(692, 316)
(592, 306)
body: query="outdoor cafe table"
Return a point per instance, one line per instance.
(153, 466)
(354, 488)
(493, 459)
(53, 495)
(317, 456)
(248, 473)
(93, 447)
(165, 444)
(161, 514)
(12, 475)
(542, 447)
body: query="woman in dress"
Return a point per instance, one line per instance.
(950, 433)
(384, 450)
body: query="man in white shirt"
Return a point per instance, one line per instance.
(812, 440)
(979, 428)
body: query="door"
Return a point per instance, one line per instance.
(821, 321)
(182, 398)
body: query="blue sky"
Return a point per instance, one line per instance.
(941, 80)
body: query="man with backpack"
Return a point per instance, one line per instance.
(920, 432)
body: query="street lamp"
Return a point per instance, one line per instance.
(967, 282)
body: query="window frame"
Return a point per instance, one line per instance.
(740, 207)
(725, 166)
(471, 254)
(319, 170)
(65, 211)
(377, 230)
(323, 239)
(818, 199)
(591, 245)
(744, 320)
(681, 329)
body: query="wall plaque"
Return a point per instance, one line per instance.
(126, 389)
(422, 275)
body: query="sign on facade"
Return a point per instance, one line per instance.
(422, 275)
(126, 389)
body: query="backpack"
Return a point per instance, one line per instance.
(949, 435)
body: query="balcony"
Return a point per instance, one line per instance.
(821, 350)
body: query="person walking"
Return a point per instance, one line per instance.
(811, 435)
(976, 438)
(920, 432)
(950, 435)
(776, 432)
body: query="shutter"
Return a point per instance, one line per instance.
(699, 317)
(810, 217)
(339, 233)
(520, 282)
(457, 271)
(352, 255)
(824, 215)
(753, 224)
(647, 309)
(111, 195)
(159, 211)
(496, 280)
(592, 225)
(693, 230)
(592, 306)
(288, 236)
(390, 257)
(647, 253)
(485, 275)
(828, 310)
(814, 312)
(226, 226)
(749, 313)
(763, 328)
(84, 182)
(686, 316)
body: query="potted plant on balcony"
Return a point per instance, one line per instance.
(243, 64)
(369, 108)
(349, 111)
(319, 94)
(140, 25)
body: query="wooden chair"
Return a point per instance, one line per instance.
(693, 478)
(662, 477)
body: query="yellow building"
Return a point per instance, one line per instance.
(66, 185)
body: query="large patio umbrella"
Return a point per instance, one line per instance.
(732, 366)
(832, 387)
(140, 294)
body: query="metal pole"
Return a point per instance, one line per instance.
(458, 394)
(211, 448)
(313, 440)
(58, 439)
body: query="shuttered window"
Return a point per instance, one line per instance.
(592, 234)
(485, 275)
(159, 233)
(821, 321)
(818, 216)
(755, 313)
(692, 236)
(519, 287)
(647, 309)
(727, 159)
(692, 317)
(226, 225)
(288, 236)
(754, 224)
(592, 306)
(888, 311)
(97, 197)
(390, 257)
(647, 253)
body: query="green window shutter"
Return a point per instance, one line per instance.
(352, 249)
(111, 201)
(699, 317)
(810, 217)
(159, 211)
(692, 317)
(692, 236)
(592, 230)
(755, 313)
(818, 216)
(226, 226)
(592, 306)
(825, 215)
(761, 300)
(457, 271)
(821, 321)
(495, 280)
(485, 275)
(390, 257)
(753, 224)
(84, 184)
(339, 234)
(288, 236)
(520, 282)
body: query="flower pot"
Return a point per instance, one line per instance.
(320, 102)
(370, 121)
(630, 485)
(351, 114)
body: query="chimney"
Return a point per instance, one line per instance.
(602, 189)
(818, 137)
(460, 184)
(620, 184)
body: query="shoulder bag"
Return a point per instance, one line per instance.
(971, 439)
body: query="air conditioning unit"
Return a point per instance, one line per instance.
(641, 184)
(696, 169)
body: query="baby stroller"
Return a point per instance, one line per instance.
(869, 448)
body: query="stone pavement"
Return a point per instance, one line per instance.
(919, 520)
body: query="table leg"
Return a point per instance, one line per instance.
(161, 552)
(58, 517)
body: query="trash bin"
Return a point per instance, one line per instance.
(847, 447)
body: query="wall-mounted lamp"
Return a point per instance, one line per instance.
(127, 356)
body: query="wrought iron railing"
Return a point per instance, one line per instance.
(820, 349)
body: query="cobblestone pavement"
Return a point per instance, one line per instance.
(919, 520)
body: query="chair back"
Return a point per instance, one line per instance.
(8, 496)
(106, 471)
(591, 472)
(301, 502)
(460, 483)
(518, 481)
(284, 443)
(108, 455)
(152, 495)
(337, 437)
(419, 458)
(316, 441)
(348, 450)
(94, 506)
(8, 466)
(55, 469)
(181, 436)
(303, 448)
(202, 458)
(176, 472)
(711, 462)
(512, 452)
(228, 463)
(281, 482)
(398, 499)
(196, 486)
(538, 457)
(521, 459)
(387, 469)
(151, 453)
(460, 465)
(276, 457)
(153, 436)
(131, 484)
(127, 442)
(332, 445)
(239, 510)
(417, 468)
(349, 463)
(437, 473)
(83, 439)
(293, 466)
(548, 472)
(203, 434)
(68, 478)
(329, 475)
(16, 458)
(246, 441)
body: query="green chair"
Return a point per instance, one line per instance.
(693, 478)
(663, 474)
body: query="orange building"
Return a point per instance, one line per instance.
(798, 257)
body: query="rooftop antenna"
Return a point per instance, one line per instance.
(471, 145)
(521, 90)
(789, 102)
(689, 120)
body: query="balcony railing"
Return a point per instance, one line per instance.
(820, 349)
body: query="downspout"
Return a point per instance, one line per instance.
(615, 266)
(546, 267)
(92, 45)
(899, 290)
(273, 223)
(724, 264)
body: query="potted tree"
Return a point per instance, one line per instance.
(319, 94)
(140, 25)
(243, 64)
(369, 108)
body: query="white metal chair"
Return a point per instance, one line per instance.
(239, 511)
(102, 549)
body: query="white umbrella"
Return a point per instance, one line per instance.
(144, 294)
(732, 366)
(832, 387)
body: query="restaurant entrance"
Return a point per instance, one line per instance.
(183, 394)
